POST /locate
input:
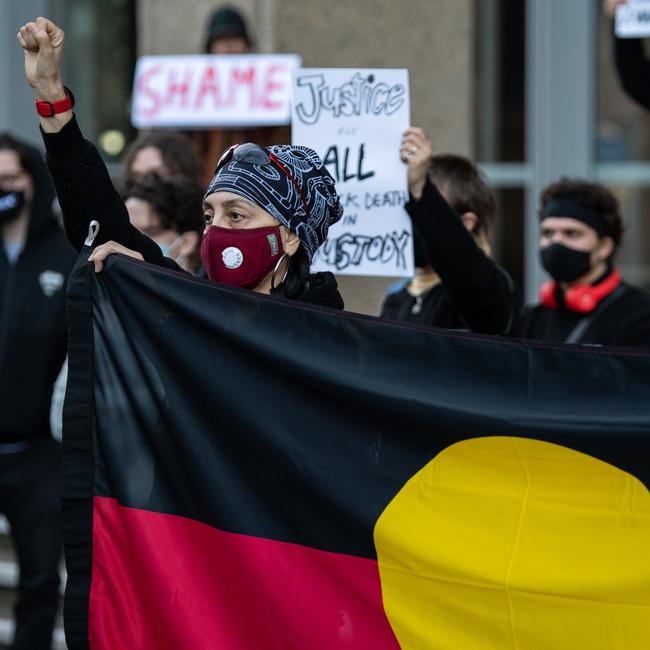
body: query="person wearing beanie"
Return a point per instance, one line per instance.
(267, 209)
(227, 33)
(586, 300)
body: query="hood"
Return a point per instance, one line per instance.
(42, 216)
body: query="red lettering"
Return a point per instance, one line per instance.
(271, 86)
(242, 78)
(209, 86)
(176, 89)
(148, 92)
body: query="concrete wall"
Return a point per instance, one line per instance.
(434, 39)
(178, 26)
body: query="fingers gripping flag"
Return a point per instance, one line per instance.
(245, 472)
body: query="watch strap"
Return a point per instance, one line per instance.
(49, 109)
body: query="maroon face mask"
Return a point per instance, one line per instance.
(240, 257)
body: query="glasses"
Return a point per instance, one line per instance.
(11, 178)
(253, 154)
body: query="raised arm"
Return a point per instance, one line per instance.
(633, 68)
(80, 176)
(632, 64)
(481, 291)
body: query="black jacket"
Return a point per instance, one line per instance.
(32, 317)
(433, 308)
(86, 192)
(622, 319)
(475, 292)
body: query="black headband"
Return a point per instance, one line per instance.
(569, 207)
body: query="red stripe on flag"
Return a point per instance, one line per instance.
(168, 582)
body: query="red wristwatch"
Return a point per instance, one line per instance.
(49, 109)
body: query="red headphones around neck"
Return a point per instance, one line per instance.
(582, 299)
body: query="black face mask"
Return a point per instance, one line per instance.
(11, 204)
(565, 264)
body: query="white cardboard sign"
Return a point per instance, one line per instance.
(354, 119)
(633, 19)
(213, 91)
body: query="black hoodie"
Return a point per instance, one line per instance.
(32, 316)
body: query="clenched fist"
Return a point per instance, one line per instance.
(42, 41)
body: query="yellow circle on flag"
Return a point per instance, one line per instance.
(519, 544)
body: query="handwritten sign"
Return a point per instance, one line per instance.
(633, 19)
(213, 91)
(354, 119)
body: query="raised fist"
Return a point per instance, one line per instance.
(42, 41)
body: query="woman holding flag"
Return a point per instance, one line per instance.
(267, 210)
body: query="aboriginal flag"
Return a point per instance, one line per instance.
(245, 472)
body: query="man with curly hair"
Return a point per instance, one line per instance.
(586, 300)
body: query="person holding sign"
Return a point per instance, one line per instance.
(266, 210)
(581, 229)
(632, 64)
(457, 284)
(227, 33)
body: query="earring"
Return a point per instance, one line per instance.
(275, 270)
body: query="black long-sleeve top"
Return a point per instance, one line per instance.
(86, 193)
(633, 69)
(623, 320)
(475, 293)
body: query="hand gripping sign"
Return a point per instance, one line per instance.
(633, 19)
(213, 91)
(354, 119)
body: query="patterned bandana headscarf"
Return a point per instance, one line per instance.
(308, 212)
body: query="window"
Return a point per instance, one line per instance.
(99, 62)
(500, 122)
(623, 157)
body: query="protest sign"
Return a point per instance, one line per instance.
(354, 119)
(633, 19)
(213, 91)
